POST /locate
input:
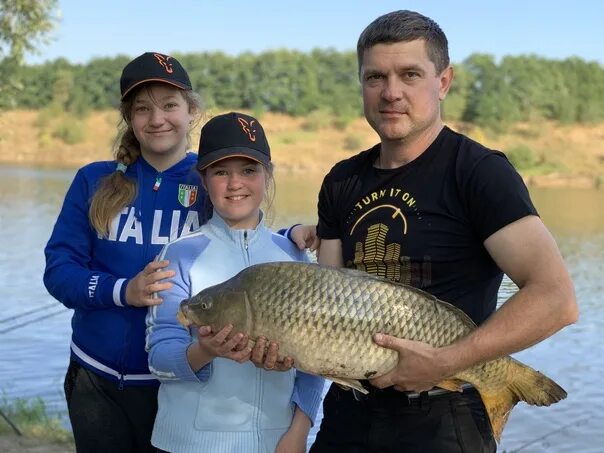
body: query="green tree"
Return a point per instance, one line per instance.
(23, 25)
(490, 103)
(454, 105)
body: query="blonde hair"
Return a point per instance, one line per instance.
(116, 190)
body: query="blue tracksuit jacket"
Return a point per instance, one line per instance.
(90, 274)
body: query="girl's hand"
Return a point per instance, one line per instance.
(305, 237)
(294, 439)
(234, 347)
(267, 357)
(141, 290)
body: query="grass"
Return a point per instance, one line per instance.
(33, 420)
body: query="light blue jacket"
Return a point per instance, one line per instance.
(226, 407)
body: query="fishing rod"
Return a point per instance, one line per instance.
(11, 424)
(552, 432)
(20, 316)
(40, 318)
(25, 313)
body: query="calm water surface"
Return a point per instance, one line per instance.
(34, 356)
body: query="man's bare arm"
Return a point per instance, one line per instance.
(330, 253)
(544, 304)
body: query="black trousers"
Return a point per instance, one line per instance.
(106, 419)
(387, 422)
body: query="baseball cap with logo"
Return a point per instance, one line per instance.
(153, 67)
(232, 135)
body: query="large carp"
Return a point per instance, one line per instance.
(325, 317)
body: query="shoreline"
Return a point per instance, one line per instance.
(556, 155)
(549, 180)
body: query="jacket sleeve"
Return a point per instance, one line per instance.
(67, 275)
(287, 232)
(167, 340)
(308, 393)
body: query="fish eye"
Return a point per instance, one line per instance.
(204, 306)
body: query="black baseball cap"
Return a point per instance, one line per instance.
(153, 67)
(230, 135)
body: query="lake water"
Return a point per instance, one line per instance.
(33, 357)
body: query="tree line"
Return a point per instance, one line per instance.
(485, 92)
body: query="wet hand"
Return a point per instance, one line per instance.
(419, 367)
(267, 356)
(223, 344)
(140, 289)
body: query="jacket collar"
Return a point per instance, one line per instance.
(249, 236)
(179, 169)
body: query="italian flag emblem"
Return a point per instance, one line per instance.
(187, 195)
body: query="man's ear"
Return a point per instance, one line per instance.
(446, 78)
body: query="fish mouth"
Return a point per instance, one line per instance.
(182, 317)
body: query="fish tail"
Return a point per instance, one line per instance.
(533, 387)
(525, 384)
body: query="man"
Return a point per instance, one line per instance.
(433, 209)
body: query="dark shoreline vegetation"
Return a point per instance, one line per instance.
(511, 105)
(490, 94)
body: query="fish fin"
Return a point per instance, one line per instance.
(348, 384)
(525, 384)
(498, 406)
(453, 385)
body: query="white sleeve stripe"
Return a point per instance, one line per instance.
(117, 289)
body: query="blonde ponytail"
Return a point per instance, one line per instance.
(116, 190)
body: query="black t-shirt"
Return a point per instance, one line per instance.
(424, 224)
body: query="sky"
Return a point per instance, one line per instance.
(552, 29)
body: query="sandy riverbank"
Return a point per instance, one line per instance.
(566, 155)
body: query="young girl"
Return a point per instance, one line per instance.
(217, 394)
(115, 218)
(99, 260)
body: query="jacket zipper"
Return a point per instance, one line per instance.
(258, 409)
(157, 182)
(147, 241)
(145, 248)
(246, 247)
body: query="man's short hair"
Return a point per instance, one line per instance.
(404, 26)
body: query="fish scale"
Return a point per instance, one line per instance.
(325, 319)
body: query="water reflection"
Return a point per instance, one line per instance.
(571, 212)
(33, 358)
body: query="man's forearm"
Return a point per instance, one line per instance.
(531, 315)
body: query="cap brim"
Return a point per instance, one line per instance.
(182, 86)
(211, 158)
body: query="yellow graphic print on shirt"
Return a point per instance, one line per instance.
(374, 224)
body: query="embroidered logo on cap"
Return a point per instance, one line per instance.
(248, 128)
(164, 61)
